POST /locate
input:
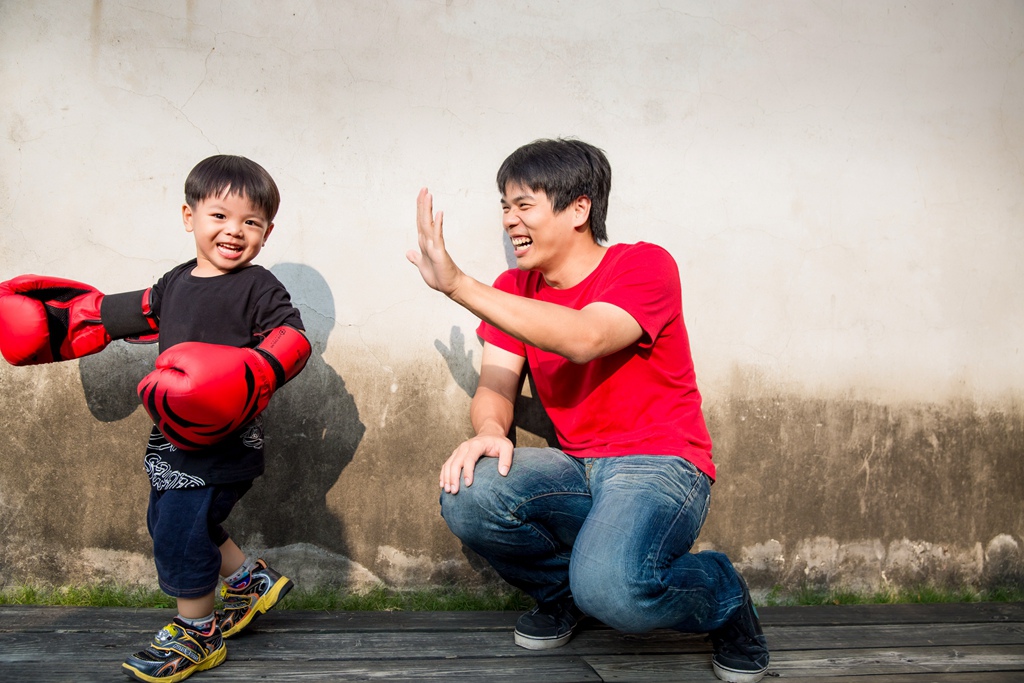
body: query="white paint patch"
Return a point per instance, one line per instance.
(769, 557)
(101, 565)
(1001, 544)
(870, 566)
(313, 567)
(405, 569)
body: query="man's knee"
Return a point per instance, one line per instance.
(471, 510)
(619, 598)
(454, 512)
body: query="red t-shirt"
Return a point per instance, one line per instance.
(642, 400)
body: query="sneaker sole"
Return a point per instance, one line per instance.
(216, 658)
(534, 643)
(736, 676)
(264, 604)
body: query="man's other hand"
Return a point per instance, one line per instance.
(462, 461)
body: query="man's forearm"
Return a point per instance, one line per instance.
(549, 327)
(490, 413)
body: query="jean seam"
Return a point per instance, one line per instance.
(538, 531)
(690, 496)
(515, 510)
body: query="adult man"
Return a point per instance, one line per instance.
(603, 525)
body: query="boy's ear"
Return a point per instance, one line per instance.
(186, 217)
(267, 233)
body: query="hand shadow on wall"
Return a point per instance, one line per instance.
(529, 413)
(312, 426)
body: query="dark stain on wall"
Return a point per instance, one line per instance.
(793, 468)
(821, 487)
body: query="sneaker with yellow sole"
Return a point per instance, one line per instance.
(266, 588)
(177, 652)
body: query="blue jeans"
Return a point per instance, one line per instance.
(614, 533)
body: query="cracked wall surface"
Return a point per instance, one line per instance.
(840, 184)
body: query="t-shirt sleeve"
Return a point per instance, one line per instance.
(156, 297)
(274, 308)
(645, 284)
(506, 282)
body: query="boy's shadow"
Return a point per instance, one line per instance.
(312, 430)
(110, 380)
(312, 426)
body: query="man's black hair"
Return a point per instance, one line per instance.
(224, 173)
(564, 170)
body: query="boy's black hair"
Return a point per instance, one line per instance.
(217, 175)
(564, 170)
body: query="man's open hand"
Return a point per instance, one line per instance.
(436, 267)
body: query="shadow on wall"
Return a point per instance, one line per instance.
(110, 380)
(312, 427)
(530, 415)
(312, 431)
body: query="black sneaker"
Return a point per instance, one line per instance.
(177, 652)
(266, 587)
(741, 651)
(548, 626)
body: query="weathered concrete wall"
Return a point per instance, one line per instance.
(840, 183)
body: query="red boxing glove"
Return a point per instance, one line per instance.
(201, 393)
(48, 319)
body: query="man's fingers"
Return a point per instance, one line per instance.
(504, 462)
(446, 478)
(425, 210)
(453, 467)
(429, 225)
(458, 469)
(424, 205)
(467, 473)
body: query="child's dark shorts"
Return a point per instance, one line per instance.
(185, 525)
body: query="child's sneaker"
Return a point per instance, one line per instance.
(177, 652)
(266, 587)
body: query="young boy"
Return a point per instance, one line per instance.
(604, 524)
(229, 337)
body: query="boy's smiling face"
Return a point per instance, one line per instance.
(229, 233)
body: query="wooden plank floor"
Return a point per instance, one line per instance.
(960, 643)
